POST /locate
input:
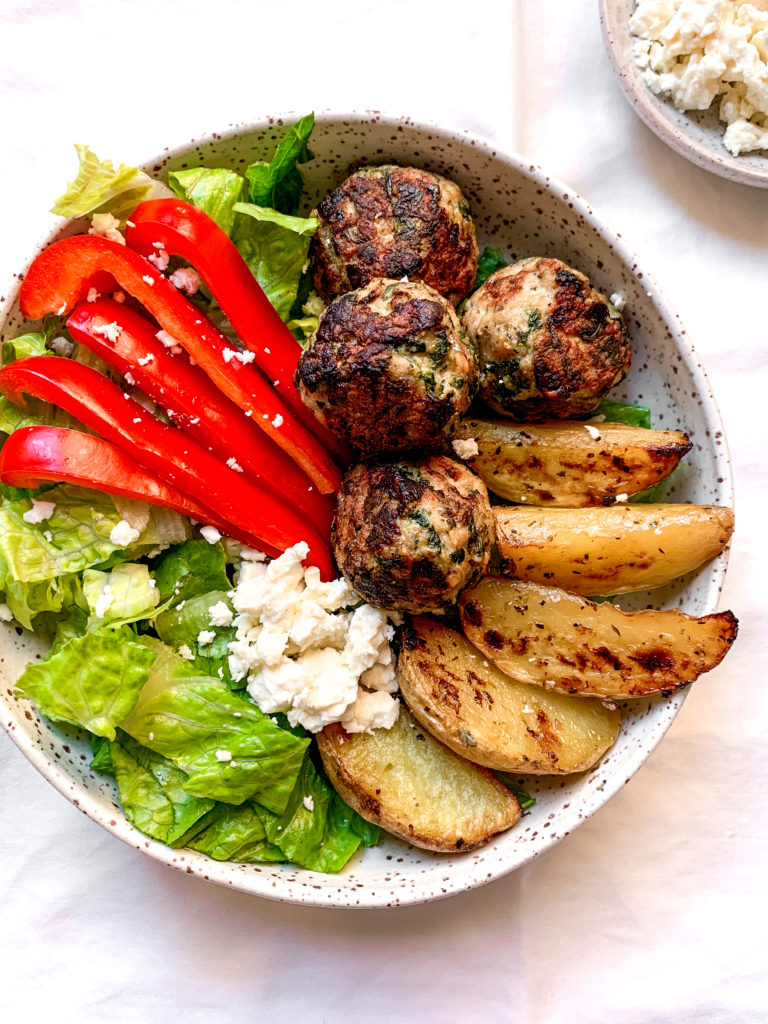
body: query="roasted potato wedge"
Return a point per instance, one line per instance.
(609, 550)
(548, 637)
(570, 465)
(483, 715)
(404, 780)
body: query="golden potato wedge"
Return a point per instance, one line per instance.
(609, 550)
(404, 780)
(570, 465)
(483, 715)
(548, 637)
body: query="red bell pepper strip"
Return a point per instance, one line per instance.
(36, 455)
(173, 455)
(193, 402)
(55, 282)
(186, 231)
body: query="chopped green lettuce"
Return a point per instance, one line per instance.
(184, 622)
(278, 184)
(92, 681)
(214, 190)
(275, 247)
(28, 600)
(102, 759)
(33, 343)
(35, 413)
(101, 188)
(489, 262)
(524, 798)
(152, 791)
(230, 750)
(237, 834)
(195, 567)
(622, 412)
(131, 594)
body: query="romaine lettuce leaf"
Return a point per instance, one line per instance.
(214, 190)
(76, 535)
(102, 759)
(183, 623)
(621, 412)
(230, 750)
(193, 568)
(489, 262)
(33, 343)
(152, 791)
(278, 184)
(275, 247)
(132, 593)
(92, 681)
(317, 830)
(28, 600)
(35, 413)
(101, 188)
(237, 834)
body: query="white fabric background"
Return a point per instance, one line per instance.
(656, 909)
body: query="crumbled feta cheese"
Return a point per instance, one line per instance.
(223, 755)
(371, 711)
(62, 346)
(234, 464)
(220, 614)
(621, 497)
(93, 294)
(245, 357)
(167, 339)
(211, 534)
(143, 360)
(277, 421)
(593, 432)
(301, 644)
(229, 354)
(185, 279)
(129, 378)
(124, 534)
(40, 511)
(107, 226)
(185, 652)
(309, 803)
(465, 449)
(206, 636)
(6, 615)
(618, 301)
(104, 601)
(149, 280)
(159, 260)
(697, 50)
(109, 331)
(48, 535)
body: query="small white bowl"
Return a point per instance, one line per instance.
(520, 209)
(696, 135)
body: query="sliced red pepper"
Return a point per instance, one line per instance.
(173, 455)
(186, 231)
(56, 281)
(37, 455)
(128, 342)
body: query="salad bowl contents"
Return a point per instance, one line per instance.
(247, 450)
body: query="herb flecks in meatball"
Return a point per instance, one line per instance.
(388, 368)
(410, 536)
(549, 345)
(395, 222)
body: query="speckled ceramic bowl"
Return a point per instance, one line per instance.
(523, 211)
(696, 135)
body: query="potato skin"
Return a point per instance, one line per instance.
(409, 784)
(388, 368)
(408, 536)
(547, 637)
(392, 221)
(609, 550)
(549, 344)
(563, 465)
(483, 715)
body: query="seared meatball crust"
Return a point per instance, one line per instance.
(388, 368)
(395, 222)
(549, 344)
(410, 536)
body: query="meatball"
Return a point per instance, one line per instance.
(395, 222)
(409, 536)
(548, 344)
(388, 368)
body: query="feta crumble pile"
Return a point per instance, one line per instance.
(697, 50)
(307, 650)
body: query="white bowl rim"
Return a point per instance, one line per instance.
(308, 892)
(651, 110)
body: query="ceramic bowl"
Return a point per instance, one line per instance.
(523, 211)
(696, 135)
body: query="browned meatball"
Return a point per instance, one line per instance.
(388, 368)
(549, 345)
(409, 536)
(395, 222)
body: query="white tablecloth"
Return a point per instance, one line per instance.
(656, 909)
